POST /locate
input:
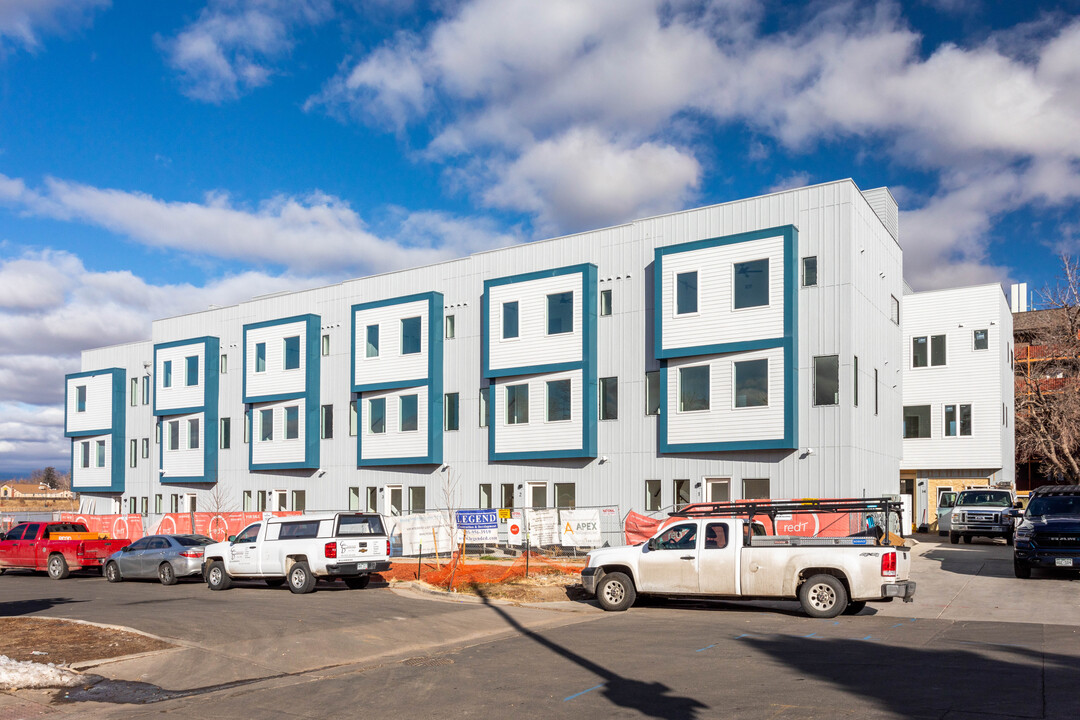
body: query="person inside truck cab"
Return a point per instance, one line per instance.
(716, 536)
(680, 537)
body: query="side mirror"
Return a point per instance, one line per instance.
(126, 548)
(1018, 505)
(653, 543)
(231, 538)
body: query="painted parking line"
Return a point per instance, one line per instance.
(707, 647)
(577, 695)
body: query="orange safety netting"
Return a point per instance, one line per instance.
(463, 572)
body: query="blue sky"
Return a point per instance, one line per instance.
(156, 158)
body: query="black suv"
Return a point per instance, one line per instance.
(1049, 535)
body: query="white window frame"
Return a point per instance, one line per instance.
(675, 294)
(768, 385)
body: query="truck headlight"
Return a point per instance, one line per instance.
(1023, 533)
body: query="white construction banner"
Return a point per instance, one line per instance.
(543, 527)
(431, 530)
(477, 526)
(515, 528)
(580, 528)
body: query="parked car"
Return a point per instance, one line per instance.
(300, 549)
(982, 513)
(58, 548)
(165, 557)
(1049, 534)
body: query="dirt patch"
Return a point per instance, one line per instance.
(68, 642)
(548, 580)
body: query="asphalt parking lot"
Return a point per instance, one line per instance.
(975, 643)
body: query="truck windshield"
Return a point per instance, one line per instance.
(984, 498)
(360, 525)
(1055, 505)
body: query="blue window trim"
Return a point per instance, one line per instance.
(433, 382)
(209, 409)
(118, 431)
(587, 365)
(789, 342)
(311, 394)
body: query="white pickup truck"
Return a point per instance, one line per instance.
(726, 557)
(299, 549)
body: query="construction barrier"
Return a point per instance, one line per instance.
(121, 527)
(217, 526)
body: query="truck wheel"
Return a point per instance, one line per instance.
(1021, 569)
(823, 596)
(275, 582)
(357, 583)
(300, 578)
(967, 539)
(58, 567)
(1009, 538)
(855, 607)
(615, 592)
(954, 538)
(112, 573)
(216, 577)
(166, 574)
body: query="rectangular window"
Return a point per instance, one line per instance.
(134, 392)
(507, 495)
(920, 354)
(517, 404)
(157, 505)
(292, 422)
(484, 395)
(855, 378)
(223, 364)
(86, 454)
(146, 390)
(326, 422)
(260, 357)
(417, 499)
(950, 421)
(752, 383)
(372, 494)
(174, 435)
(353, 422)
(145, 448)
(565, 495)
(410, 415)
(751, 284)
(101, 453)
(694, 388)
(894, 309)
(916, 421)
(266, 425)
(144, 503)
(681, 493)
(247, 426)
(80, 398)
(875, 391)
(450, 329)
(686, 293)
(377, 416)
(827, 380)
(982, 339)
(755, 488)
(605, 303)
(450, 412)
(558, 400)
(225, 433)
(191, 370)
(299, 501)
(166, 372)
(652, 392)
(133, 453)
(809, 271)
(965, 420)
(509, 320)
(485, 496)
(652, 495)
(292, 352)
(410, 336)
(133, 505)
(609, 398)
(157, 433)
(937, 350)
(174, 503)
(538, 491)
(193, 434)
(325, 345)
(372, 337)
(560, 313)
(354, 498)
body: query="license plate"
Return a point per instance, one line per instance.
(363, 566)
(1063, 562)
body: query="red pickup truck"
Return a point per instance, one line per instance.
(57, 548)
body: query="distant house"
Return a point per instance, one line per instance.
(13, 490)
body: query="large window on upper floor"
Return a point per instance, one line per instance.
(266, 425)
(292, 422)
(410, 336)
(686, 293)
(957, 420)
(174, 435)
(260, 357)
(558, 400)
(80, 398)
(517, 404)
(981, 339)
(451, 414)
(916, 421)
(752, 383)
(193, 434)
(751, 286)
(694, 388)
(292, 352)
(560, 313)
(166, 374)
(927, 351)
(191, 370)
(827, 380)
(101, 453)
(372, 341)
(409, 412)
(509, 320)
(609, 398)
(377, 416)
(652, 392)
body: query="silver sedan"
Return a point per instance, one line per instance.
(165, 557)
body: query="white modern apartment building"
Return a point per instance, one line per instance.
(749, 349)
(958, 394)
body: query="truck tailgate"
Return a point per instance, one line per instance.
(903, 563)
(362, 549)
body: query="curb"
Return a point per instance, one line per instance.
(85, 664)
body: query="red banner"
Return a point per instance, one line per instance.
(217, 526)
(128, 527)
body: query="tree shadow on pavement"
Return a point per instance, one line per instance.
(649, 698)
(13, 608)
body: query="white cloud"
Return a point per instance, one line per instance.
(22, 22)
(233, 45)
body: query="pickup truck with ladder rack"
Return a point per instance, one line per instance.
(717, 550)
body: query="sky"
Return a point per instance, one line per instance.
(160, 157)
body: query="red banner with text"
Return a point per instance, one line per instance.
(129, 527)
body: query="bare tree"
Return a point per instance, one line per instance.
(1048, 382)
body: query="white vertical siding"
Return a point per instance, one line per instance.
(180, 394)
(276, 380)
(395, 443)
(99, 403)
(390, 365)
(533, 346)
(539, 434)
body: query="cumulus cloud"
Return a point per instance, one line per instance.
(233, 45)
(22, 22)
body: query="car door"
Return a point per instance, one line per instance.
(10, 545)
(244, 552)
(27, 552)
(129, 558)
(718, 560)
(946, 502)
(669, 566)
(151, 557)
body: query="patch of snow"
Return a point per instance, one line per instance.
(16, 674)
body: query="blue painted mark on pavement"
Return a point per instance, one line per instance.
(707, 647)
(810, 635)
(575, 695)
